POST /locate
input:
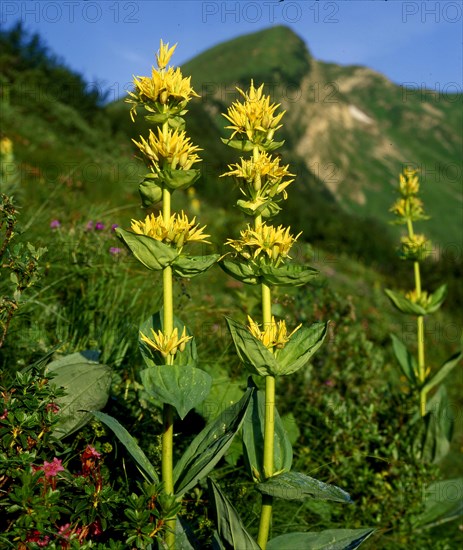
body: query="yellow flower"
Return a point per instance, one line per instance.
(408, 182)
(171, 147)
(415, 247)
(263, 174)
(164, 54)
(274, 335)
(273, 243)
(255, 118)
(409, 208)
(422, 300)
(166, 91)
(167, 344)
(176, 232)
(6, 146)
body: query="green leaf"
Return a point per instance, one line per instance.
(183, 386)
(151, 357)
(436, 299)
(300, 348)
(405, 359)
(189, 266)
(443, 501)
(403, 304)
(86, 384)
(253, 440)
(442, 373)
(251, 351)
(288, 274)
(231, 531)
(332, 539)
(297, 486)
(178, 179)
(130, 444)
(433, 442)
(153, 254)
(150, 191)
(208, 447)
(240, 144)
(241, 271)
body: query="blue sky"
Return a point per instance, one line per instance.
(414, 42)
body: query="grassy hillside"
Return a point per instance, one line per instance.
(78, 167)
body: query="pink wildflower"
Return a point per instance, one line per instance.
(51, 469)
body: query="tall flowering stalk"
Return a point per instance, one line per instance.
(261, 256)
(415, 248)
(158, 242)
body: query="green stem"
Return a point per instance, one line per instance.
(419, 329)
(167, 456)
(269, 430)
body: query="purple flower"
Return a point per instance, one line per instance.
(114, 250)
(55, 224)
(89, 225)
(99, 226)
(114, 225)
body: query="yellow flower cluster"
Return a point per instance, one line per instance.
(6, 146)
(168, 147)
(177, 231)
(408, 182)
(415, 247)
(162, 88)
(255, 117)
(263, 174)
(423, 299)
(275, 335)
(273, 244)
(167, 344)
(409, 207)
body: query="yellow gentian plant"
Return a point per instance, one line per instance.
(417, 302)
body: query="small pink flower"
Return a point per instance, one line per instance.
(51, 469)
(36, 536)
(114, 226)
(52, 407)
(114, 250)
(89, 225)
(90, 452)
(99, 226)
(55, 224)
(4, 415)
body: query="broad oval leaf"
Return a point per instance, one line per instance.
(443, 502)
(332, 539)
(297, 486)
(181, 386)
(241, 271)
(150, 191)
(130, 444)
(288, 274)
(442, 373)
(405, 359)
(86, 384)
(178, 179)
(153, 254)
(190, 266)
(253, 440)
(251, 351)
(437, 299)
(301, 347)
(230, 529)
(403, 304)
(208, 447)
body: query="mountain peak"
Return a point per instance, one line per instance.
(273, 53)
